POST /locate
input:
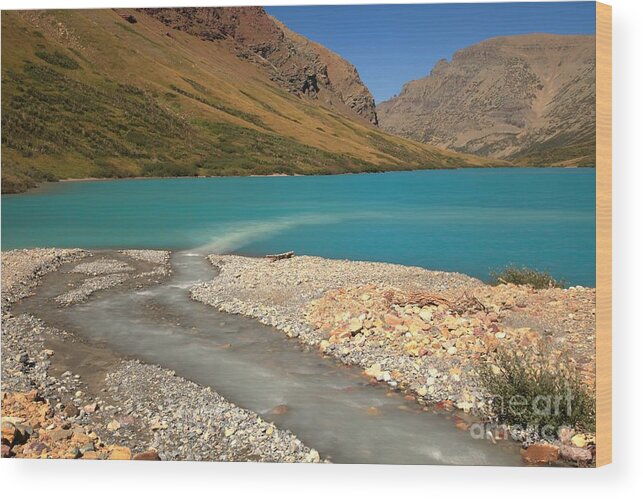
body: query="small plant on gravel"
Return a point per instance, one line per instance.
(526, 276)
(537, 387)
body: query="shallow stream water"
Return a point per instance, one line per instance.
(330, 406)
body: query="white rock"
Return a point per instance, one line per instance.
(426, 315)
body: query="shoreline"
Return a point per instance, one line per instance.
(316, 301)
(44, 185)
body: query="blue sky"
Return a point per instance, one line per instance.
(392, 44)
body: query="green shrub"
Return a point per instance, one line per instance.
(58, 59)
(526, 276)
(195, 85)
(537, 388)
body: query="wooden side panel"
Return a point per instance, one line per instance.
(603, 234)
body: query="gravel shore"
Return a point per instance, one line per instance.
(89, 287)
(278, 293)
(22, 270)
(159, 257)
(419, 331)
(190, 422)
(102, 266)
(65, 398)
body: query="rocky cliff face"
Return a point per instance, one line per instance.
(529, 99)
(297, 64)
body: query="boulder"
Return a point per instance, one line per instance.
(119, 453)
(148, 455)
(578, 454)
(539, 454)
(355, 325)
(426, 315)
(6, 451)
(374, 370)
(59, 434)
(9, 433)
(113, 425)
(90, 408)
(279, 409)
(71, 411)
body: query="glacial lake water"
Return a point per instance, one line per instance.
(469, 220)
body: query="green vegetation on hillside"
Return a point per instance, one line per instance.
(131, 101)
(556, 152)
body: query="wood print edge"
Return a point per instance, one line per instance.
(603, 234)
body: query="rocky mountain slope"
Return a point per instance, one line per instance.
(297, 64)
(529, 99)
(116, 93)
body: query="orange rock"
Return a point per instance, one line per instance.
(461, 425)
(148, 455)
(72, 453)
(32, 395)
(392, 320)
(540, 454)
(490, 342)
(279, 409)
(120, 453)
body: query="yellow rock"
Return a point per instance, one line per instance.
(412, 348)
(579, 440)
(426, 314)
(355, 325)
(415, 328)
(120, 453)
(374, 370)
(451, 322)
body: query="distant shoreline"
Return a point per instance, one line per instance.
(281, 175)
(96, 179)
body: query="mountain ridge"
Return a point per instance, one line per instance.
(299, 65)
(528, 99)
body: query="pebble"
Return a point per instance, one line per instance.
(204, 425)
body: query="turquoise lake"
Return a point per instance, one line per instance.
(470, 220)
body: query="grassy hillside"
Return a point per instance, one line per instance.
(89, 94)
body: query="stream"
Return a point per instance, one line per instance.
(329, 406)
